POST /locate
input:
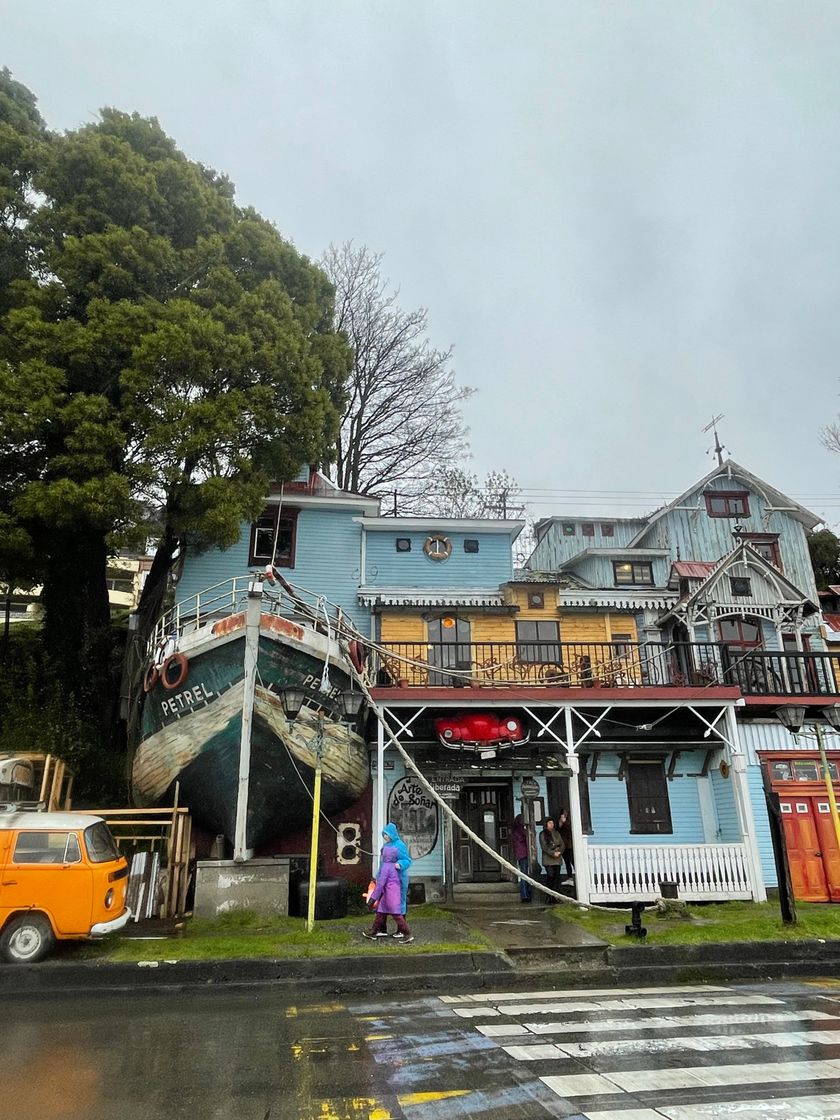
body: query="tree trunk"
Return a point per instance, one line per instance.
(153, 596)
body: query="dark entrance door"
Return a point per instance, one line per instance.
(486, 809)
(449, 648)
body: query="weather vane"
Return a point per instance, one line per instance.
(718, 448)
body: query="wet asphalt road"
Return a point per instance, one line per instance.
(683, 1053)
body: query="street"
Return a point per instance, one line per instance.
(680, 1053)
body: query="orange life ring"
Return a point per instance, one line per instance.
(150, 678)
(357, 655)
(183, 670)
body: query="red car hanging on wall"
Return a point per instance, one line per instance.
(480, 731)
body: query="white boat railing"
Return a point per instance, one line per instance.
(702, 872)
(231, 596)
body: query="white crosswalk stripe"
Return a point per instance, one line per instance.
(710, 1057)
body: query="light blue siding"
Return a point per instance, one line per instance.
(555, 548)
(729, 831)
(431, 865)
(490, 566)
(611, 812)
(762, 826)
(598, 571)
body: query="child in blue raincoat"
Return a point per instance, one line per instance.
(387, 897)
(391, 835)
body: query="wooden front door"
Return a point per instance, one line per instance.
(813, 854)
(486, 809)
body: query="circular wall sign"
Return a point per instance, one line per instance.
(438, 547)
(416, 816)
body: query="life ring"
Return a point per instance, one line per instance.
(183, 670)
(150, 678)
(357, 655)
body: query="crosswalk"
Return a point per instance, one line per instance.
(692, 1052)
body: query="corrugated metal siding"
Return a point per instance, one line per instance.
(769, 735)
(489, 567)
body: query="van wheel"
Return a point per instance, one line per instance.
(26, 939)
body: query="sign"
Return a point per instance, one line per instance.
(530, 787)
(415, 814)
(448, 790)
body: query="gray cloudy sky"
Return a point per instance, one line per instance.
(624, 215)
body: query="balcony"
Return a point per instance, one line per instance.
(606, 665)
(623, 873)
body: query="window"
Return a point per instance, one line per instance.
(538, 642)
(647, 797)
(608, 530)
(630, 573)
(806, 770)
(727, 503)
(47, 847)
(740, 633)
(536, 600)
(740, 586)
(470, 545)
(620, 644)
(766, 545)
(568, 528)
(274, 525)
(101, 845)
(403, 544)
(780, 771)
(587, 529)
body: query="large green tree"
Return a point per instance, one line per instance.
(166, 348)
(824, 547)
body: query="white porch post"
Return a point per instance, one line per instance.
(580, 852)
(743, 805)
(241, 851)
(379, 821)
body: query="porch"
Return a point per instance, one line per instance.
(756, 672)
(624, 873)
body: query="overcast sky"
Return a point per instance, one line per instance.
(624, 216)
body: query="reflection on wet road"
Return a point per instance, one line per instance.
(678, 1053)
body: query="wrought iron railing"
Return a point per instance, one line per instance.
(606, 665)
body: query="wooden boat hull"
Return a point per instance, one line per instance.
(191, 735)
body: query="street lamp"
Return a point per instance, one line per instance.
(793, 718)
(351, 704)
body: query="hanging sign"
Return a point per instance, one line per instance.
(449, 789)
(530, 787)
(415, 814)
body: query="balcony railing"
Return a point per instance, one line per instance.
(633, 872)
(606, 665)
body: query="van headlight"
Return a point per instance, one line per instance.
(109, 898)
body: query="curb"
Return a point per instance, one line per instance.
(431, 972)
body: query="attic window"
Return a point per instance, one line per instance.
(608, 530)
(568, 528)
(727, 503)
(587, 529)
(633, 573)
(272, 530)
(471, 545)
(740, 586)
(403, 544)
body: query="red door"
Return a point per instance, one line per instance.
(828, 845)
(804, 846)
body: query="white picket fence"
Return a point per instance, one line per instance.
(702, 872)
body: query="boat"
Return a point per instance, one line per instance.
(198, 694)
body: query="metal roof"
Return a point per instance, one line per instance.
(41, 822)
(693, 569)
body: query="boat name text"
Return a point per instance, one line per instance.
(185, 699)
(315, 678)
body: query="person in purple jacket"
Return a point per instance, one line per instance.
(388, 894)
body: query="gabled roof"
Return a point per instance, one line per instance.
(730, 468)
(740, 553)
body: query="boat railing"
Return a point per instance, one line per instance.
(231, 596)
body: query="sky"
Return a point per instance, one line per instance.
(623, 216)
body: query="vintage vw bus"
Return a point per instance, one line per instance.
(61, 877)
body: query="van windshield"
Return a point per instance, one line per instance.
(100, 844)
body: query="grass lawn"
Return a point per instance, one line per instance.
(725, 921)
(249, 936)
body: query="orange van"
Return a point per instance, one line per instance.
(61, 877)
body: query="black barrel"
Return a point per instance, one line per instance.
(330, 899)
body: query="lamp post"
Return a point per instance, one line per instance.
(793, 718)
(292, 700)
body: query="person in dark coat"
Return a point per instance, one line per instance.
(551, 846)
(564, 827)
(388, 895)
(520, 854)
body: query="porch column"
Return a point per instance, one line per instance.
(579, 844)
(743, 805)
(379, 821)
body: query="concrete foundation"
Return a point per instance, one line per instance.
(222, 887)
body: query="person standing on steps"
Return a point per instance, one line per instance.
(551, 845)
(564, 827)
(390, 834)
(520, 854)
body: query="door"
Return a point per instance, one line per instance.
(827, 838)
(45, 871)
(449, 648)
(804, 837)
(486, 809)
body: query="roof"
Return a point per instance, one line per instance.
(443, 524)
(693, 569)
(832, 622)
(561, 579)
(774, 497)
(40, 822)
(625, 553)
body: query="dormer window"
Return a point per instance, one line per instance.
(274, 529)
(727, 503)
(633, 573)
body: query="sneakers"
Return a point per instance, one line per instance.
(406, 940)
(372, 936)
